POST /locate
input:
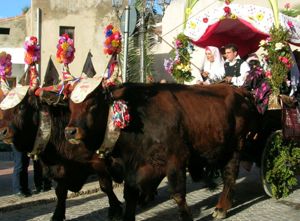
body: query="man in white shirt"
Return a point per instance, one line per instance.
(236, 70)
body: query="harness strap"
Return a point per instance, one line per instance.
(42, 136)
(111, 136)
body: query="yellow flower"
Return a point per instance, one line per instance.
(114, 43)
(260, 17)
(193, 25)
(179, 67)
(64, 46)
(233, 16)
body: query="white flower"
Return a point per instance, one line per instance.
(278, 46)
(262, 42)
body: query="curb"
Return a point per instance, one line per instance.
(11, 203)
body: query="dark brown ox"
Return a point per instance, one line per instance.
(172, 127)
(69, 165)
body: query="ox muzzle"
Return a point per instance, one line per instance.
(6, 135)
(74, 135)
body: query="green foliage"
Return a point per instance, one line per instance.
(134, 50)
(283, 160)
(179, 65)
(277, 56)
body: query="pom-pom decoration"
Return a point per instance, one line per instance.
(5, 65)
(65, 49)
(112, 43)
(121, 117)
(32, 50)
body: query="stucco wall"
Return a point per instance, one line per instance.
(89, 19)
(17, 26)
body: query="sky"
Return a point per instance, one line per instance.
(11, 8)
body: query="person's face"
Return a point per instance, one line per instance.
(209, 56)
(230, 54)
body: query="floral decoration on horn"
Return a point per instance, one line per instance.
(32, 50)
(32, 56)
(5, 70)
(65, 55)
(112, 43)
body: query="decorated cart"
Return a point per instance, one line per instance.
(276, 149)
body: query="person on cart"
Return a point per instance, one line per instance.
(236, 70)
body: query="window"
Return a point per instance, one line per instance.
(4, 31)
(67, 30)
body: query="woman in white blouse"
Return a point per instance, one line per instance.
(213, 70)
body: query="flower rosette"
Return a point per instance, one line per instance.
(121, 117)
(5, 65)
(32, 51)
(112, 43)
(65, 49)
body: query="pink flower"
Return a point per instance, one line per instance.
(290, 24)
(284, 60)
(178, 43)
(287, 5)
(268, 74)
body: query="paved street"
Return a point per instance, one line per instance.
(250, 204)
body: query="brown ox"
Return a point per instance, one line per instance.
(172, 127)
(69, 165)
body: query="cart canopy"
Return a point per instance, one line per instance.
(243, 25)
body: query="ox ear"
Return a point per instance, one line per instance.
(14, 97)
(84, 88)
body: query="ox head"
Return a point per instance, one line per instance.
(19, 120)
(89, 110)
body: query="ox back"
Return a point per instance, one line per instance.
(172, 126)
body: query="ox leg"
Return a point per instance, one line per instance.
(115, 209)
(230, 174)
(61, 193)
(177, 182)
(131, 198)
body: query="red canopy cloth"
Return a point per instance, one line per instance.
(244, 25)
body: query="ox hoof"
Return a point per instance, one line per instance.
(219, 213)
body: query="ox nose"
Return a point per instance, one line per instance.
(3, 132)
(70, 132)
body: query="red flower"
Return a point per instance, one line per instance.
(205, 20)
(290, 24)
(268, 74)
(227, 10)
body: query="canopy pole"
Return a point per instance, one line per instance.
(274, 5)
